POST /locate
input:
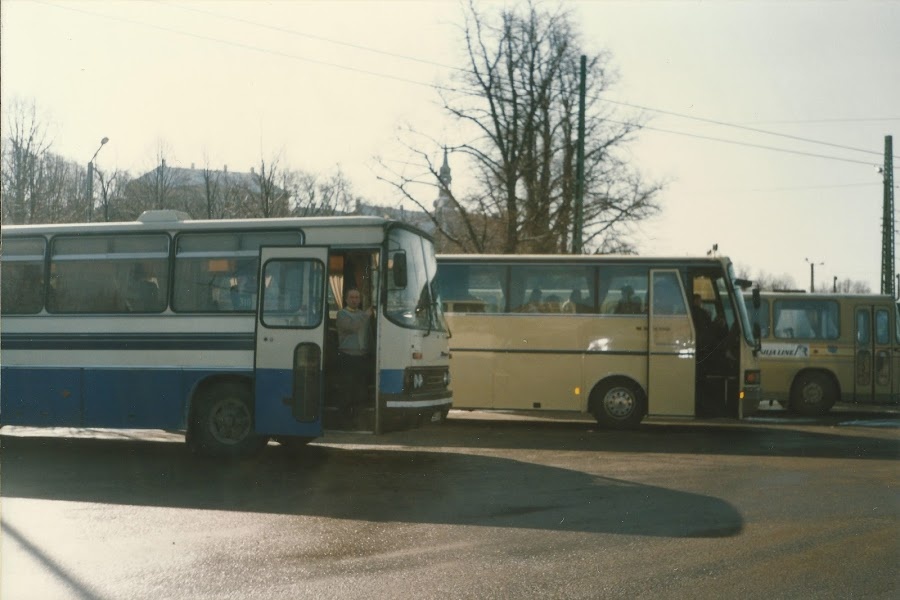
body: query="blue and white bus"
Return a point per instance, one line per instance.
(158, 324)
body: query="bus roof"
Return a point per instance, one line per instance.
(583, 258)
(170, 220)
(802, 295)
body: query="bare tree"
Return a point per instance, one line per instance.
(267, 199)
(24, 147)
(158, 188)
(847, 286)
(64, 199)
(314, 194)
(212, 191)
(112, 186)
(473, 224)
(519, 96)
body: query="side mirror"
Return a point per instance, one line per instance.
(398, 269)
(757, 336)
(756, 299)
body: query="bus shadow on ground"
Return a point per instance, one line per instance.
(790, 437)
(371, 484)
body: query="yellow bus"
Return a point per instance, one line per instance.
(819, 349)
(617, 337)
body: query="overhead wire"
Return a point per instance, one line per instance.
(450, 67)
(445, 88)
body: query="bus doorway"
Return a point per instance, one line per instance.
(874, 354)
(351, 365)
(715, 323)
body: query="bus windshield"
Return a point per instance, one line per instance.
(411, 289)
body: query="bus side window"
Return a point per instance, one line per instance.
(667, 297)
(23, 288)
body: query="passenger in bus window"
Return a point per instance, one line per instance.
(628, 304)
(574, 303)
(144, 293)
(703, 323)
(702, 320)
(553, 304)
(534, 301)
(354, 360)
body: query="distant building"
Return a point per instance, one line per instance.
(184, 179)
(416, 218)
(206, 193)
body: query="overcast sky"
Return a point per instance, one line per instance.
(328, 83)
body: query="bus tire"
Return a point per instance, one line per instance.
(222, 422)
(618, 404)
(812, 394)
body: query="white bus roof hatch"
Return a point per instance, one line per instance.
(161, 216)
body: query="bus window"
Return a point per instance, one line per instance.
(104, 274)
(762, 317)
(22, 276)
(667, 296)
(473, 288)
(412, 304)
(623, 290)
(882, 327)
(546, 288)
(217, 272)
(805, 319)
(292, 297)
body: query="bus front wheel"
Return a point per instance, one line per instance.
(813, 394)
(618, 404)
(222, 422)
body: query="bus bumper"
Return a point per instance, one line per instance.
(419, 402)
(749, 401)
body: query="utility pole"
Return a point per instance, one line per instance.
(887, 221)
(578, 224)
(90, 181)
(812, 274)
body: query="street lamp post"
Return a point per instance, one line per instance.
(812, 273)
(90, 180)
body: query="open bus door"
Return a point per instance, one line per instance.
(671, 347)
(290, 335)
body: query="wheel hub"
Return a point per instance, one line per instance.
(618, 403)
(229, 421)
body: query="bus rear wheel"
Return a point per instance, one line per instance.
(618, 404)
(222, 422)
(812, 394)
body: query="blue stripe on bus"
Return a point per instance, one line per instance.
(127, 341)
(140, 398)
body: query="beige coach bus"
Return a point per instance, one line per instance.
(617, 337)
(819, 349)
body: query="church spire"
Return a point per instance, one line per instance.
(443, 200)
(446, 178)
